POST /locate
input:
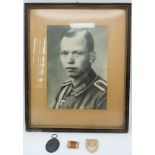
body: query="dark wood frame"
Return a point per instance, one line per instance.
(26, 40)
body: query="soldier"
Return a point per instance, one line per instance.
(84, 89)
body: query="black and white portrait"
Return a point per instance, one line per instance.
(77, 67)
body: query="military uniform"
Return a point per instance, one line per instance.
(91, 93)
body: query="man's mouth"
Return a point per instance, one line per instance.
(70, 69)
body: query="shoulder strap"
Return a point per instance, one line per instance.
(60, 97)
(101, 84)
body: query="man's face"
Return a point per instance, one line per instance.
(74, 55)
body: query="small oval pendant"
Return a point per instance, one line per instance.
(53, 144)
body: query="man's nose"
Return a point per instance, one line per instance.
(71, 59)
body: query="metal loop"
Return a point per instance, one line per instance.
(54, 136)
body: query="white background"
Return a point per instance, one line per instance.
(12, 99)
(119, 144)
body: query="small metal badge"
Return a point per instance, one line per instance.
(92, 145)
(53, 144)
(73, 144)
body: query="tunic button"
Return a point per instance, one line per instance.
(71, 93)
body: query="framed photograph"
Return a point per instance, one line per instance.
(77, 67)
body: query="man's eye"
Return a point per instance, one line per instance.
(64, 53)
(78, 52)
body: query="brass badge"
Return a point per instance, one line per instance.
(92, 145)
(73, 144)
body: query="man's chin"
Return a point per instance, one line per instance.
(73, 75)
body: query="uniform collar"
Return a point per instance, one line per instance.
(85, 83)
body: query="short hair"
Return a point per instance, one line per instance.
(73, 32)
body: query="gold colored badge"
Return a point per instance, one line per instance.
(92, 145)
(73, 144)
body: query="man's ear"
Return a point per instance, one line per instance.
(92, 56)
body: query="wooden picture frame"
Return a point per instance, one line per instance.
(45, 24)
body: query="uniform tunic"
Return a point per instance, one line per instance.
(91, 93)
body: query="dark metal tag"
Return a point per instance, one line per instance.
(53, 144)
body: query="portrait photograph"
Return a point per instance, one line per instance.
(77, 67)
